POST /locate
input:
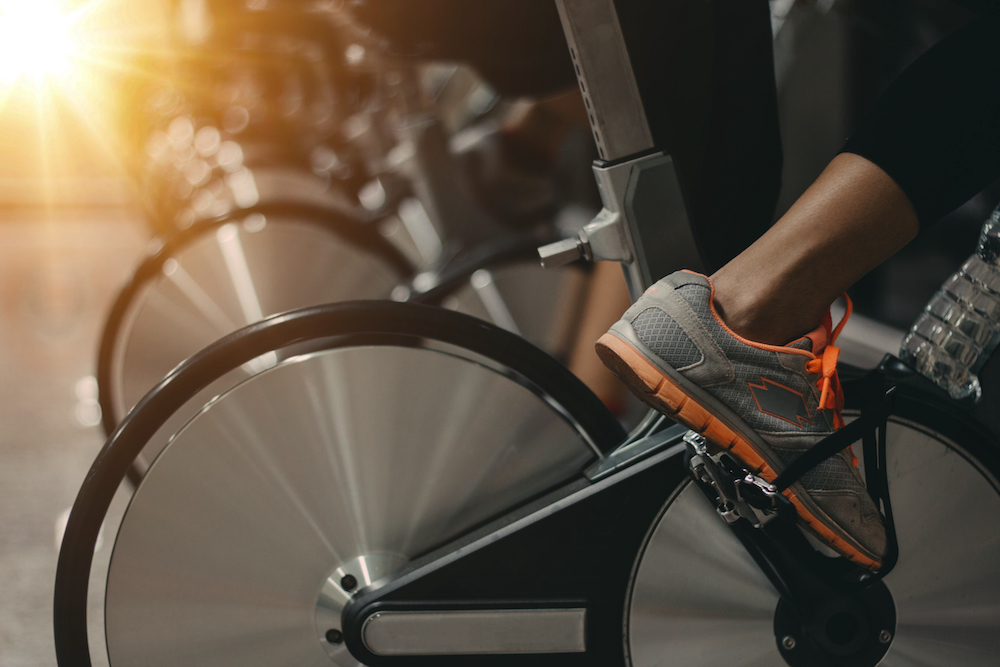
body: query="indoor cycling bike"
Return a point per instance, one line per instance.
(226, 258)
(412, 486)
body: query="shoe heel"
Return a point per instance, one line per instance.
(628, 364)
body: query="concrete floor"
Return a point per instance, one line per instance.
(58, 277)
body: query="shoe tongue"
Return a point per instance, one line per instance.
(815, 341)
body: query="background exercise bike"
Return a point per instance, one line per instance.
(419, 487)
(290, 161)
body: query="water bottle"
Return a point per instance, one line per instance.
(960, 327)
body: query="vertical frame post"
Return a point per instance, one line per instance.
(644, 222)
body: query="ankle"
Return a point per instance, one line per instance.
(759, 315)
(745, 321)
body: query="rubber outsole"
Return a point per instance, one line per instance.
(660, 392)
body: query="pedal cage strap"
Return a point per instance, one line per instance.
(827, 447)
(870, 429)
(876, 477)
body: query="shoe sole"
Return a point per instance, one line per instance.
(661, 392)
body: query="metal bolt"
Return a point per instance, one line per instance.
(348, 583)
(334, 636)
(885, 636)
(788, 642)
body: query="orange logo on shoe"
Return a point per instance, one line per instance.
(651, 289)
(780, 401)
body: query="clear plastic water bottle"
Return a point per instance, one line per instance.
(960, 327)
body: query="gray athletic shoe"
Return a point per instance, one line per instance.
(765, 404)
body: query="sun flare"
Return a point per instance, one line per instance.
(36, 40)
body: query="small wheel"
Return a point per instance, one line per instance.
(943, 481)
(401, 428)
(219, 276)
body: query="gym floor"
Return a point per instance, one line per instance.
(59, 274)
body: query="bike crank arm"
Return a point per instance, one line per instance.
(545, 585)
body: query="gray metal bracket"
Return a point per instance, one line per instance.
(643, 223)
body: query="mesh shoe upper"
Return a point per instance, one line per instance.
(769, 394)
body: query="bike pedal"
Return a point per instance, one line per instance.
(739, 494)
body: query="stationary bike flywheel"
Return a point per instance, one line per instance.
(310, 480)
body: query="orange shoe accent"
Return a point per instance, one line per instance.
(663, 394)
(831, 394)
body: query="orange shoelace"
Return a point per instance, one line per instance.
(831, 393)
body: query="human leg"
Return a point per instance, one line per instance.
(849, 221)
(716, 355)
(750, 362)
(931, 142)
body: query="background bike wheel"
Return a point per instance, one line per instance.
(946, 502)
(397, 437)
(542, 305)
(217, 277)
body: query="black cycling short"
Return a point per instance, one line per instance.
(936, 129)
(706, 76)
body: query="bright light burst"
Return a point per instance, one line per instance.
(36, 41)
(67, 69)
